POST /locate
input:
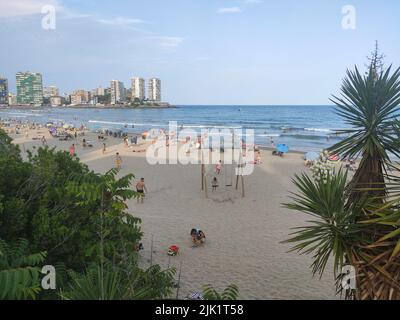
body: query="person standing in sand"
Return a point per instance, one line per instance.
(258, 157)
(272, 142)
(218, 167)
(72, 150)
(214, 184)
(104, 148)
(141, 189)
(44, 141)
(118, 161)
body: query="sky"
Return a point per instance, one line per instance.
(236, 52)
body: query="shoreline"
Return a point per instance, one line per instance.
(83, 106)
(268, 129)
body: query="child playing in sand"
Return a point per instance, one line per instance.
(118, 161)
(214, 184)
(218, 167)
(198, 237)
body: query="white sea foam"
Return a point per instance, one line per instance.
(318, 129)
(268, 135)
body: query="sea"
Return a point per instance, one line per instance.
(301, 127)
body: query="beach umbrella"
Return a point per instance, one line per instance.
(66, 126)
(282, 148)
(334, 158)
(311, 156)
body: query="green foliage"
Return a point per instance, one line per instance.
(111, 283)
(55, 202)
(19, 274)
(359, 222)
(370, 106)
(81, 218)
(230, 293)
(333, 229)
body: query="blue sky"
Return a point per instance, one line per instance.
(205, 51)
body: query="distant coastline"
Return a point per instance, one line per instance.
(88, 106)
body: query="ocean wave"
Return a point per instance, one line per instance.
(127, 123)
(268, 135)
(20, 114)
(318, 130)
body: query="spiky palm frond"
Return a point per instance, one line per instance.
(333, 230)
(370, 105)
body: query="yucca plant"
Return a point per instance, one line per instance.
(333, 229)
(358, 222)
(19, 271)
(231, 292)
(370, 105)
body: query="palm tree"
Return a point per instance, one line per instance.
(357, 222)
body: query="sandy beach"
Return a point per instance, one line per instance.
(244, 235)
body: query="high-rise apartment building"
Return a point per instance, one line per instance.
(117, 92)
(100, 91)
(154, 89)
(80, 97)
(56, 101)
(51, 91)
(29, 88)
(138, 88)
(3, 90)
(12, 99)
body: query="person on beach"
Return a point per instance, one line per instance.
(198, 237)
(104, 148)
(44, 141)
(118, 161)
(272, 142)
(214, 184)
(72, 150)
(218, 167)
(141, 189)
(258, 157)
